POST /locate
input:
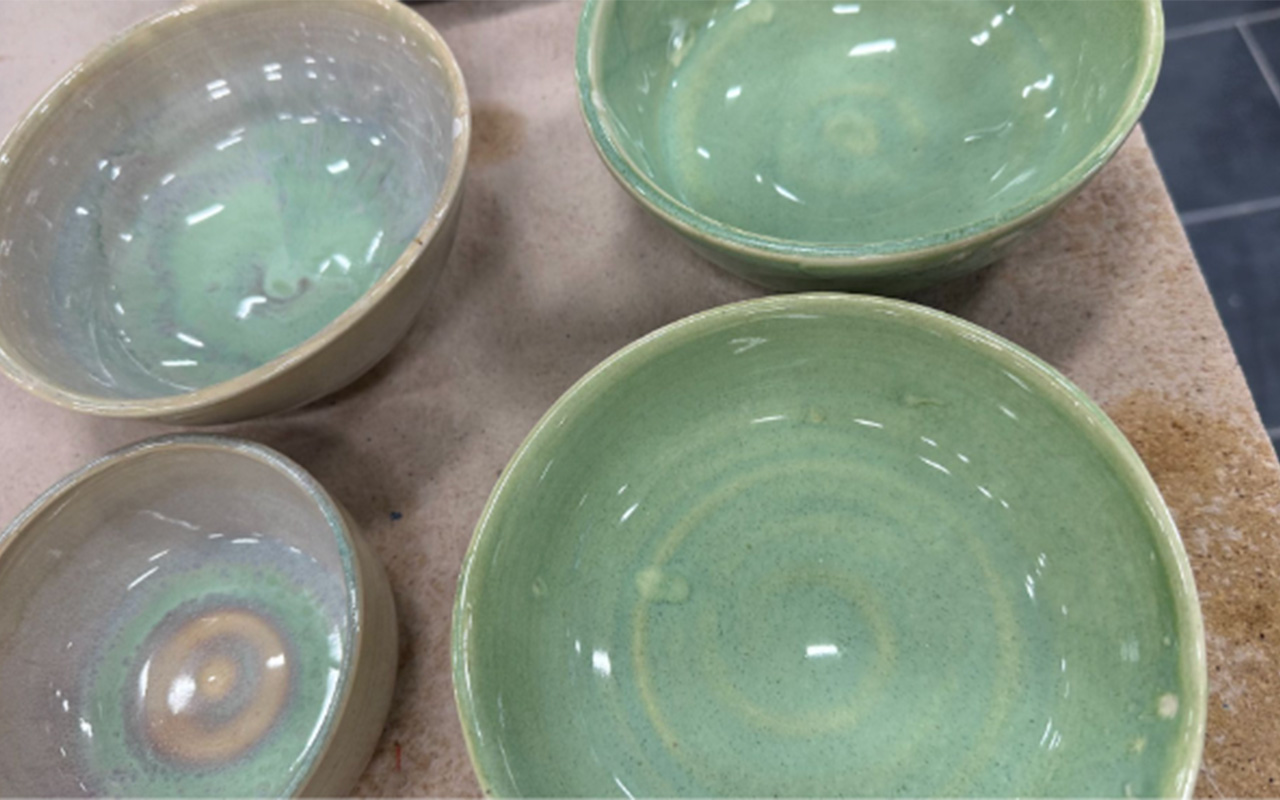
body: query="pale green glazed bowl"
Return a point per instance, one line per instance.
(230, 209)
(827, 545)
(190, 616)
(874, 146)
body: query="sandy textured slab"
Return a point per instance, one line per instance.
(556, 268)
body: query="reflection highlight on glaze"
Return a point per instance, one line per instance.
(205, 214)
(272, 207)
(206, 657)
(821, 651)
(869, 153)
(207, 206)
(799, 585)
(601, 663)
(872, 48)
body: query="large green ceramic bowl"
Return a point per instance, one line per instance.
(871, 145)
(828, 545)
(230, 209)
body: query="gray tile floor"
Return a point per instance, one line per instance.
(1214, 125)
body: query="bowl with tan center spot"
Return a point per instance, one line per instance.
(190, 616)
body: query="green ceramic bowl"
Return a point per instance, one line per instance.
(191, 616)
(877, 146)
(230, 209)
(824, 545)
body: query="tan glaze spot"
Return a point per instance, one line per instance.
(1222, 483)
(192, 673)
(497, 134)
(855, 134)
(216, 678)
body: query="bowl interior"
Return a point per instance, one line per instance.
(215, 189)
(828, 546)
(175, 623)
(863, 123)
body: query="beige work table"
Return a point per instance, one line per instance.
(556, 267)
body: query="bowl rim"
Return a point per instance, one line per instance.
(833, 259)
(1051, 386)
(339, 524)
(410, 23)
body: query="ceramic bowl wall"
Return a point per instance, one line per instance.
(231, 209)
(877, 146)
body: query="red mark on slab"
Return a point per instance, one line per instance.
(397, 756)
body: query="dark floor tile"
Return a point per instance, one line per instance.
(1178, 13)
(1267, 35)
(1213, 123)
(1241, 261)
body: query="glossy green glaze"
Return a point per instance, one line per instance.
(880, 145)
(121, 754)
(189, 616)
(828, 545)
(249, 242)
(203, 234)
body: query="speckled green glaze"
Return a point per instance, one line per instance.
(190, 616)
(249, 242)
(826, 545)
(874, 145)
(128, 765)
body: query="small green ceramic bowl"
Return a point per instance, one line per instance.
(876, 146)
(190, 616)
(823, 545)
(230, 209)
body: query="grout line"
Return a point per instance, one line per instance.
(1213, 25)
(1228, 211)
(1260, 59)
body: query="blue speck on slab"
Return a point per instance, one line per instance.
(395, 515)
